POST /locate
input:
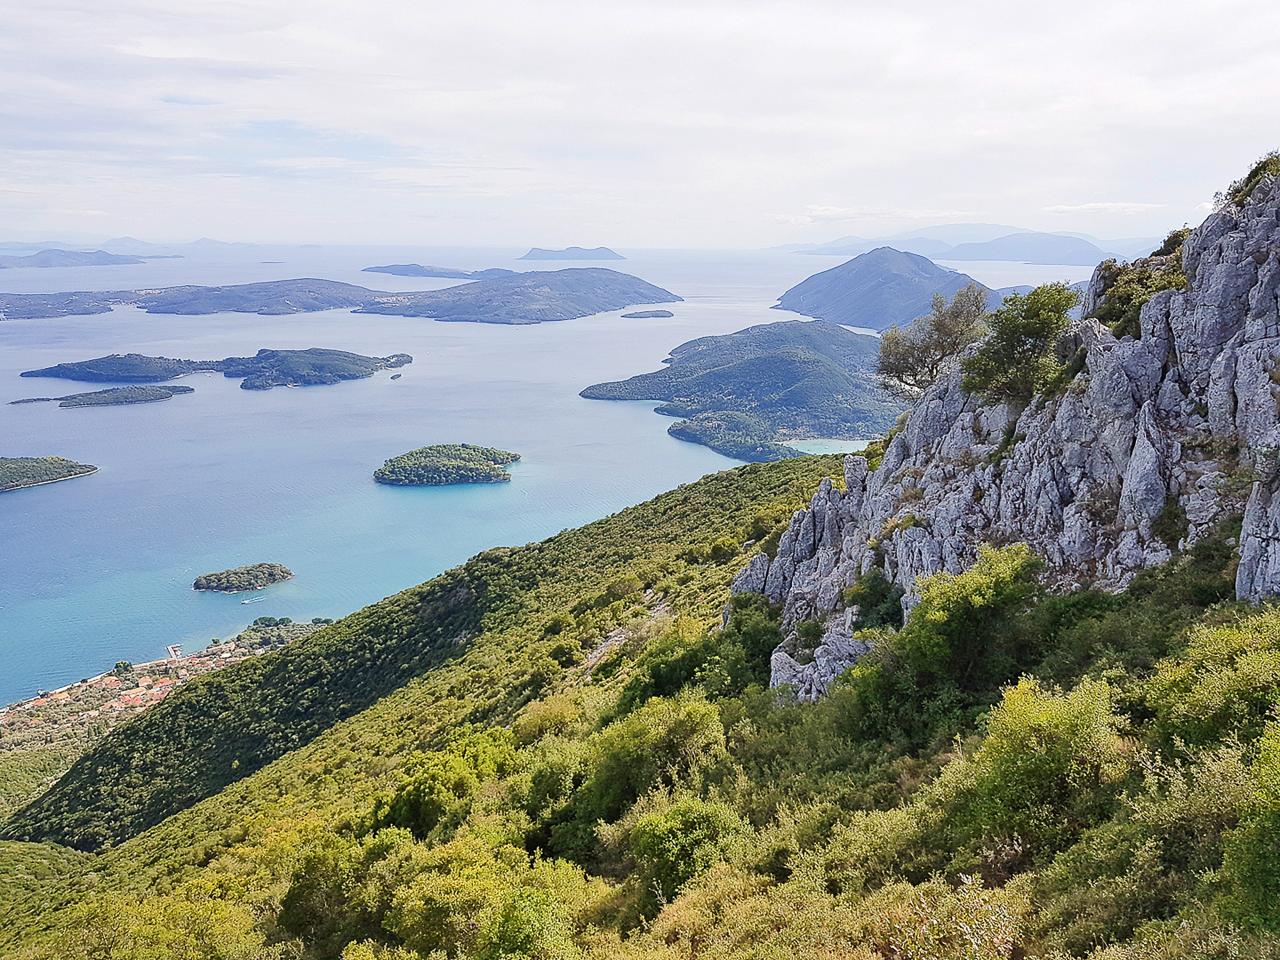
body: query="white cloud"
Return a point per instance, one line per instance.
(663, 122)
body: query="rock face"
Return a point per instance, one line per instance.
(1183, 417)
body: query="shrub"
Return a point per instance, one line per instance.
(528, 923)
(1129, 286)
(1267, 165)
(966, 627)
(673, 844)
(1225, 682)
(1018, 358)
(1251, 863)
(1047, 763)
(1173, 242)
(661, 743)
(878, 599)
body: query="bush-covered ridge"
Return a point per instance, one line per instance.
(544, 598)
(253, 576)
(1012, 774)
(447, 463)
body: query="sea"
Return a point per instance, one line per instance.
(99, 569)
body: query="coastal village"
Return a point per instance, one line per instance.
(87, 709)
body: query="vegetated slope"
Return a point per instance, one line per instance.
(879, 289)
(654, 801)
(218, 729)
(764, 384)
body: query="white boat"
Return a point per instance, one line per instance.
(254, 600)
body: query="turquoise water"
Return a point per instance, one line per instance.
(824, 445)
(100, 569)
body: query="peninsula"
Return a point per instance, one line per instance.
(253, 576)
(447, 463)
(746, 393)
(515, 298)
(573, 253)
(112, 396)
(264, 370)
(19, 472)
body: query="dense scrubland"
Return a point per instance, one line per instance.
(550, 752)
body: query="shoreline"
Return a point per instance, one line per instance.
(42, 483)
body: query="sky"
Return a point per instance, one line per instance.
(641, 123)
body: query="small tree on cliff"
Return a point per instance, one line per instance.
(911, 357)
(1019, 358)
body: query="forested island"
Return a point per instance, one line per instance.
(447, 463)
(253, 576)
(499, 297)
(747, 392)
(266, 369)
(19, 472)
(573, 253)
(112, 396)
(647, 314)
(536, 297)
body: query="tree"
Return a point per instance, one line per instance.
(912, 357)
(1019, 357)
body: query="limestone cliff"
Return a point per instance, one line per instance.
(1181, 421)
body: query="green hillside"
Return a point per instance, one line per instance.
(546, 753)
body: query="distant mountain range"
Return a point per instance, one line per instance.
(67, 258)
(988, 241)
(573, 253)
(518, 298)
(746, 393)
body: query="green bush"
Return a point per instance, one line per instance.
(1251, 864)
(878, 599)
(673, 844)
(661, 743)
(1047, 764)
(1225, 681)
(1018, 358)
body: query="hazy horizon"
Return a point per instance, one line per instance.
(656, 125)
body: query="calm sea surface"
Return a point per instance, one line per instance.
(99, 569)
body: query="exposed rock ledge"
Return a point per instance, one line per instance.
(1185, 413)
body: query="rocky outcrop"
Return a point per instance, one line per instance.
(1181, 421)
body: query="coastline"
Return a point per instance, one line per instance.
(41, 483)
